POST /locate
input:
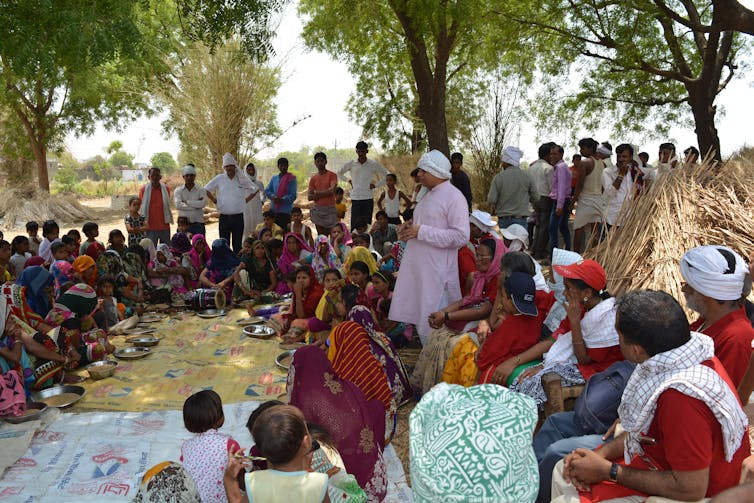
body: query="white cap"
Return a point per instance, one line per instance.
(188, 170)
(516, 231)
(229, 160)
(483, 220)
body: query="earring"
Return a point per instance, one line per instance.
(586, 299)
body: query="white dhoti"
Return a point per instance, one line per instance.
(589, 209)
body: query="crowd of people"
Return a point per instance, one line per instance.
(425, 270)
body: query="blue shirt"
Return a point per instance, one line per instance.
(288, 199)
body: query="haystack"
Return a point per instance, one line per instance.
(700, 205)
(18, 206)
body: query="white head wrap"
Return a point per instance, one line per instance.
(604, 151)
(512, 156)
(229, 160)
(435, 163)
(188, 170)
(516, 232)
(483, 220)
(706, 269)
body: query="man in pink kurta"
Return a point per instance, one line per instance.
(428, 278)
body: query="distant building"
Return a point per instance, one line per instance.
(138, 173)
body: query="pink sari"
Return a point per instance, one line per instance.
(12, 394)
(288, 258)
(356, 425)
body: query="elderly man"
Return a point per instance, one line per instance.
(715, 277)
(677, 377)
(366, 175)
(155, 207)
(512, 190)
(281, 191)
(232, 192)
(587, 196)
(429, 270)
(190, 200)
(541, 174)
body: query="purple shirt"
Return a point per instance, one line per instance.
(561, 183)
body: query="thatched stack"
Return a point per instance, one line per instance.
(18, 206)
(700, 205)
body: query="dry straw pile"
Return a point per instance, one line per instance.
(18, 206)
(699, 205)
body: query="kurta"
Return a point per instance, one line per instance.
(252, 213)
(428, 278)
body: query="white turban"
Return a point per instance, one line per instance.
(229, 160)
(188, 170)
(483, 220)
(435, 163)
(708, 272)
(604, 151)
(512, 156)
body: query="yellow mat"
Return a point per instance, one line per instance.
(194, 354)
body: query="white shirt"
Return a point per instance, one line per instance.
(191, 203)
(362, 175)
(615, 197)
(541, 173)
(231, 192)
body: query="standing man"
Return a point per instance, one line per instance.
(322, 191)
(512, 190)
(155, 207)
(560, 195)
(618, 184)
(588, 195)
(190, 200)
(232, 192)
(252, 213)
(459, 178)
(281, 191)
(541, 174)
(429, 270)
(363, 173)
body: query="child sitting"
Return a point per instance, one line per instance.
(283, 438)
(32, 229)
(91, 231)
(165, 271)
(204, 454)
(111, 312)
(268, 222)
(183, 226)
(50, 232)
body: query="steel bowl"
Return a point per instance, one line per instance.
(259, 331)
(101, 370)
(48, 395)
(283, 360)
(143, 342)
(132, 353)
(33, 411)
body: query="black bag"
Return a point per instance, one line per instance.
(596, 409)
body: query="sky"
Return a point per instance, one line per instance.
(316, 85)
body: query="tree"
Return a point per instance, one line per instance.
(219, 103)
(638, 64)
(164, 161)
(411, 59)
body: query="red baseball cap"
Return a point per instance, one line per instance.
(588, 271)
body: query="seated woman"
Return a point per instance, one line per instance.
(165, 271)
(359, 275)
(587, 342)
(327, 309)
(13, 356)
(325, 397)
(196, 259)
(452, 321)
(218, 272)
(12, 394)
(255, 275)
(73, 312)
(301, 317)
(360, 254)
(117, 242)
(295, 252)
(340, 239)
(86, 269)
(180, 244)
(323, 258)
(134, 289)
(29, 302)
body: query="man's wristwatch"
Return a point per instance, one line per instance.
(613, 476)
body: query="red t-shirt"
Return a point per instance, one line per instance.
(732, 335)
(323, 182)
(466, 266)
(155, 212)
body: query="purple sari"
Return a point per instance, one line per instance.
(356, 425)
(384, 350)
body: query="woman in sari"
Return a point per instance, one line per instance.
(148, 246)
(196, 259)
(94, 250)
(86, 269)
(62, 273)
(359, 254)
(301, 316)
(295, 252)
(180, 244)
(325, 398)
(73, 313)
(218, 273)
(255, 275)
(117, 242)
(323, 258)
(341, 240)
(165, 271)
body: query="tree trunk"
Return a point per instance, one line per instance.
(703, 109)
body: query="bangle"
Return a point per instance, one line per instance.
(447, 316)
(613, 476)
(518, 360)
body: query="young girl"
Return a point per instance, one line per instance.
(307, 293)
(204, 454)
(117, 242)
(358, 275)
(91, 231)
(164, 270)
(297, 226)
(196, 258)
(283, 438)
(183, 226)
(379, 290)
(340, 239)
(295, 252)
(136, 225)
(327, 308)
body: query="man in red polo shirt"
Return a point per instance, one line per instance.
(685, 435)
(714, 286)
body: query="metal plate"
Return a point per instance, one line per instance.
(283, 359)
(263, 307)
(291, 345)
(259, 331)
(150, 318)
(250, 320)
(140, 331)
(132, 353)
(212, 313)
(46, 395)
(143, 341)
(36, 407)
(102, 369)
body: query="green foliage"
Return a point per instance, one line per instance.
(164, 161)
(65, 178)
(301, 163)
(121, 158)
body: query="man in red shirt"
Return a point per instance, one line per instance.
(322, 191)
(685, 431)
(155, 206)
(714, 287)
